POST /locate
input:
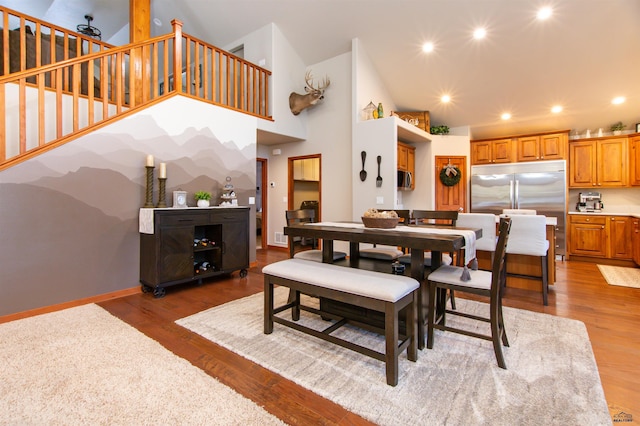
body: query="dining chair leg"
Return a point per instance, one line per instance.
(545, 279)
(431, 314)
(496, 335)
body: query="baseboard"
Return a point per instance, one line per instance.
(71, 304)
(603, 261)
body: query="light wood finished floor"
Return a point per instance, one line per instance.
(611, 314)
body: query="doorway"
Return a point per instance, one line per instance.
(305, 188)
(261, 203)
(454, 195)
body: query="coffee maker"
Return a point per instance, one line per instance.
(589, 202)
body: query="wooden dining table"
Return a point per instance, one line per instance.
(441, 239)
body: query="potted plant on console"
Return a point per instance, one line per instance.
(202, 198)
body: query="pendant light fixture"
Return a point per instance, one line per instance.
(88, 29)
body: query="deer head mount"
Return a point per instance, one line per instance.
(299, 102)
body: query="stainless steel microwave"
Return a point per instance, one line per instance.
(404, 180)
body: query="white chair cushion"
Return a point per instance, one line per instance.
(528, 235)
(378, 285)
(485, 221)
(381, 253)
(451, 275)
(406, 258)
(519, 211)
(316, 255)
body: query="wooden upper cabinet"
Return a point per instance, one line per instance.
(528, 148)
(542, 147)
(407, 161)
(598, 163)
(634, 161)
(492, 151)
(553, 146)
(402, 157)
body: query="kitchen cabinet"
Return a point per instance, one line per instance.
(620, 245)
(599, 236)
(636, 240)
(306, 169)
(588, 235)
(185, 245)
(634, 160)
(598, 163)
(492, 151)
(407, 160)
(542, 147)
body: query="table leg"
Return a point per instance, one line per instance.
(327, 251)
(417, 272)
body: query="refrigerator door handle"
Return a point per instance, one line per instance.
(511, 194)
(517, 194)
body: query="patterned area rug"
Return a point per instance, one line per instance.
(552, 377)
(621, 276)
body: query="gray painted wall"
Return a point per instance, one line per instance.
(69, 217)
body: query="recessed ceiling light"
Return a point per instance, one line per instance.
(544, 13)
(445, 99)
(618, 100)
(427, 47)
(556, 109)
(505, 116)
(157, 21)
(479, 33)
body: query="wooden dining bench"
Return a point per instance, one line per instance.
(378, 291)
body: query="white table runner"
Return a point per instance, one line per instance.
(469, 235)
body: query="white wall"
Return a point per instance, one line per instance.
(328, 134)
(269, 45)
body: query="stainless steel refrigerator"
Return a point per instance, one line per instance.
(537, 185)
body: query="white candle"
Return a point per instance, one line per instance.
(149, 160)
(163, 170)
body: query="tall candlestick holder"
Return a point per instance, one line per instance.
(162, 202)
(149, 200)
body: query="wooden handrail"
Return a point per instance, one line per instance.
(57, 102)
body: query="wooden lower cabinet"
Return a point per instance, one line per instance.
(636, 240)
(601, 237)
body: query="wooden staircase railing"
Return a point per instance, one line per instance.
(28, 44)
(44, 107)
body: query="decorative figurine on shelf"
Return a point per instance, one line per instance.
(380, 110)
(228, 195)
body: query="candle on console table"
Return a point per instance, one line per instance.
(163, 170)
(149, 160)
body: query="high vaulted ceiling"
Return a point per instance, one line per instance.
(584, 55)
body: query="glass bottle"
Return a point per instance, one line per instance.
(380, 110)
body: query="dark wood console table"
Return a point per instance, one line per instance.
(401, 236)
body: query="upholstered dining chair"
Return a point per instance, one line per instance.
(427, 218)
(486, 222)
(484, 283)
(529, 238)
(299, 248)
(381, 252)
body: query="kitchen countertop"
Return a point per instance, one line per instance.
(607, 213)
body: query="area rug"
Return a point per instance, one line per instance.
(552, 377)
(621, 276)
(84, 366)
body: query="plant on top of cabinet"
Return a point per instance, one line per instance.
(617, 127)
(440, 130)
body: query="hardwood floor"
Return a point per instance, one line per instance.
(611, 315)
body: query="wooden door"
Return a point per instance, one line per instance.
(634, 160)
(451, 197)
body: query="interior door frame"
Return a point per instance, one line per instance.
(264, 233)
(290, 205)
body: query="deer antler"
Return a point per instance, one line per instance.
(308, 79)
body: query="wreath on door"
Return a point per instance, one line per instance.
(450, 175)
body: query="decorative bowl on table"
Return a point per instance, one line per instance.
(380, 222)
